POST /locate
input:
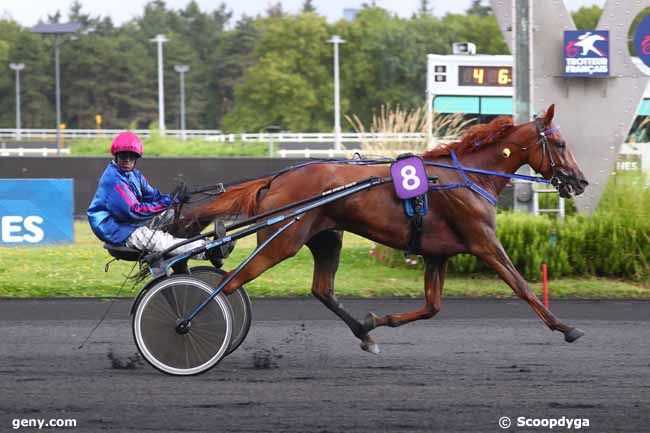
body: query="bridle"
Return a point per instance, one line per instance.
(556, 180)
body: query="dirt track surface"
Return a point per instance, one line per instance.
(301, 370)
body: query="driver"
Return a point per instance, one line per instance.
(123, 209)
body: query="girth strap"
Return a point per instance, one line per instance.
(415, 208)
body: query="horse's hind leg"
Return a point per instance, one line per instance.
(434, 278)
(326, 249)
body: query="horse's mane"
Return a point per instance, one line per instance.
(475, 138)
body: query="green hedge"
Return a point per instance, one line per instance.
(613, 242)
(173, 147)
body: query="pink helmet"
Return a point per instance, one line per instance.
(127, 142)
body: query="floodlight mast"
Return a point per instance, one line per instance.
(160, 40)
(182, 69)
(57, 30)
(336, 40)
(17, 67)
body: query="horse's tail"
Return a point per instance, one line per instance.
(238, 201)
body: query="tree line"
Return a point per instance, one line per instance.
(271, 69)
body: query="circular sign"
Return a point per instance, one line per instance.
(642, 40)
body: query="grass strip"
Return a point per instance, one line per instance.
(77, 270)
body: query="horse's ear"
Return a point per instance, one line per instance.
(548, 116)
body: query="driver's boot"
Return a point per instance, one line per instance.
(217, 254)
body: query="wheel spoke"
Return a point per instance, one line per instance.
(205, 342)
(155, 307)
(208, 341)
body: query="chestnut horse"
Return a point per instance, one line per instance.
(458, 220)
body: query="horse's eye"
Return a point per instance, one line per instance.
(561, 144)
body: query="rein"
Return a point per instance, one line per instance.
(468, 182)
(220, 188)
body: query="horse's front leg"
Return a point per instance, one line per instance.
(434, 278)
(493, 254)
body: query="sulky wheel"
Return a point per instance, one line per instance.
(177, 349)
(239, 301)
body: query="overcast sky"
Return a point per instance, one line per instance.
(29, 12)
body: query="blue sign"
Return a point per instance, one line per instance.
(642, 40)
(586, 53)
(36, 211)
(409, 177)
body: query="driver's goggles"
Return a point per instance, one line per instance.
(127, 156)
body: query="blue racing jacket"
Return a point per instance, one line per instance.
(123, 202)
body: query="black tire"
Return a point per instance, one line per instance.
(158, 312)
(239, 300)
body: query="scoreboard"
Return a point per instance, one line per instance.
(470, 75)
(482, 84)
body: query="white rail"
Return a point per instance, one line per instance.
(95, 133)
(33, 151)
(214, 135)
(331, 153)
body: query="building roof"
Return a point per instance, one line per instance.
(56, 28)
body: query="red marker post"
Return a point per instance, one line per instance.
(545, 283)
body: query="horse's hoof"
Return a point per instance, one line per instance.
(573, 335)
(369, 345)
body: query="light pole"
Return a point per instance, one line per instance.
(160, 40)
(182, 69)
(272, 129)
(429, 99)
(336, 41)
(522, 25)
(57, 30)
(17, 67)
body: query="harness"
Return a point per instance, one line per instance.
(414, 197)
(415, 207)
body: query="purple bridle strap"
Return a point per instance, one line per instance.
(489, 172)
(467, 184)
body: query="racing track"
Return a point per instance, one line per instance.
(301, 370)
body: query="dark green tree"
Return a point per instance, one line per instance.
(234, 57)
(37, 79)
(482, 30)
(381, 62)
(479, 9)
(275, 10)
(308, 6)
(54, 18)
(586, 18)
(290, 84)
(424, 8)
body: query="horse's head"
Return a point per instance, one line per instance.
(550, 155)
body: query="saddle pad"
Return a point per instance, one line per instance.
(409, 177)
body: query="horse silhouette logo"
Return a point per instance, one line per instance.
(587, 42)
(586, 53)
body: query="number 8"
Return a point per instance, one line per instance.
(410, 180)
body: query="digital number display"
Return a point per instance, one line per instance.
(496, 76)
